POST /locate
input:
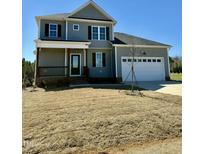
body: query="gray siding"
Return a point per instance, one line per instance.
(150, 52)
(82, 34)
(91, 13)
(63, 29)
(52, 57)
(104, 72)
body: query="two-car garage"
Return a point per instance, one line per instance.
(145, 68)
(150, 59)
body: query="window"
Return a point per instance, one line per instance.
(76, 27)
(95, 33)
(139, 60)
(149, 60)
(124, 60)
(144, 60)
(53, 30)
(158, 60)
(135, 60)
(102, 33)
(153, 60)
(129, 60)
(98, 33)
(98, 59)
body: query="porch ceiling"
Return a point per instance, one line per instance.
(62, 44)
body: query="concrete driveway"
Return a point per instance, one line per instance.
(167, 87)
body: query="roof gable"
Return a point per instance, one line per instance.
(91, 10)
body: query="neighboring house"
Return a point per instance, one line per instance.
(83, 44)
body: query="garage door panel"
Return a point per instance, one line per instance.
(146, 69)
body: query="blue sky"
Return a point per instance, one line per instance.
(158, 20)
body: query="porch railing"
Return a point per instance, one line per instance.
(61, 71)
(46, 71)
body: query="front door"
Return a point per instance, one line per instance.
(75, 65)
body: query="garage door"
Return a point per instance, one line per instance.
(146, 69)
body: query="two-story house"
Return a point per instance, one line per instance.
(83, 44)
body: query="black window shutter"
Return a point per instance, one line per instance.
(59, 30)
(103, 59)
(46, 29)
(108, 33)
(89, 32)
(94, 59)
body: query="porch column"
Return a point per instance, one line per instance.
(66, 61)
(85, 58)
(66, 30)
(116, 62)
(36, 75)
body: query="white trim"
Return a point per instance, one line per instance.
(168, 62)
(98, 27)
(70, 64)
(66, 61)
(100, 48)
(101, 65)
(116, 74)
(96, 6)
(89, 20)
(141, 46)
(84, 51)
(66, 30)
(53, 30)
(75, 20)
(62, 44)
(76, 25)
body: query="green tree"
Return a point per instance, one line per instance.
(175, 64)
(28, 70)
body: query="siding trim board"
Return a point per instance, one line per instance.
(62, 44)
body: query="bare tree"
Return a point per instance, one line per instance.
(133, 54)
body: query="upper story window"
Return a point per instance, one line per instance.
(102, 33)
(94, 33)
(76, 27)
(98, 33)
(53, 30)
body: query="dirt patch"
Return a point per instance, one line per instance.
(80, 120)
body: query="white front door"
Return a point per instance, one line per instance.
(145, 68)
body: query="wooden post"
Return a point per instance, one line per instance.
(66, 62)
(36, 67)
(85, 57)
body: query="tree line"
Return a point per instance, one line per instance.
(28, 71)
(175, 64)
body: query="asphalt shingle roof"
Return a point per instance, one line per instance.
(126, 39)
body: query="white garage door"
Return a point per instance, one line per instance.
(145, 68)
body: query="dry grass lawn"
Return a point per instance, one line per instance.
(86, 120)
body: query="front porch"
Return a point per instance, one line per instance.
(61, 59)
